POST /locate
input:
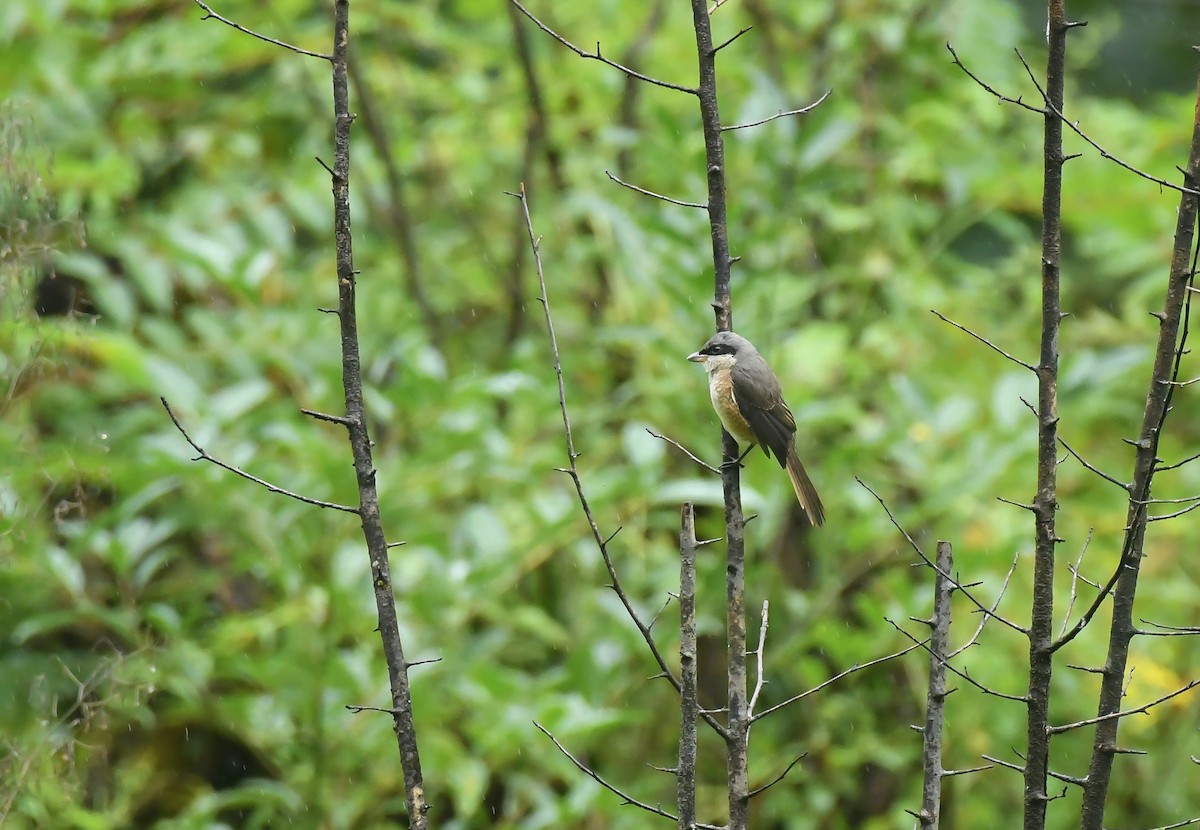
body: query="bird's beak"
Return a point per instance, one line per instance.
(696, 357)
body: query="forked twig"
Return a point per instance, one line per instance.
(685, 451)
(857, 667)
(1139, 710)
(203, 455)
(1074, 127)
(624, 796)
(760, 679)
(958, 586)
(209, 13)
(596, 56)
(573, 470)
(990, 613)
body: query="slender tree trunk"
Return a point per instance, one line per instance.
(1158, 399)
(1045, 503)
(360, 439)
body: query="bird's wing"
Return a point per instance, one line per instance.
(757, 394)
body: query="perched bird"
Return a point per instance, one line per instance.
(746, 395)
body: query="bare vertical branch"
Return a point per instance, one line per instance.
(360, 439)
(1045, 502)
(760, 653)
(1167, 353)
(689, 707)
(935, 699)
(738, 719)
(714, 156)
(602, 542)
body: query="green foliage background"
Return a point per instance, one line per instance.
(177, 645)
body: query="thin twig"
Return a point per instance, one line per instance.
(208, 12)
(984, 341)
(1099, 599)
(781, 114)
(917, 548)
(995, 93)
(202, 455)
(1140, 710)
(857, 667)
(777, 778)
(325, 416)
(1075, 581)
(965, 675)
(1124, 485)
(1174, 515)
(760, 679)
(651, 193)
(1183, 500)
(951, 772)
(1185, 823)
(356, 709)
(990, 613)
(685, 451)
(1074, 127)
(731, 39)
(625, 797)
(1179, 464)
(597, 56)
(1066, 779)
(1174, 629)
(1051, 109)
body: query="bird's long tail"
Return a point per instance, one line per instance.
(806, 493)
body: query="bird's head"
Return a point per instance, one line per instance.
(722, 351)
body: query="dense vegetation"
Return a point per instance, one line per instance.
(177, 646)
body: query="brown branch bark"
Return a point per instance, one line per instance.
(355, 419)
(738, 717)
(1045, 502)
(935, 699)
(689, 707)
(1172, 321)
(360, 439)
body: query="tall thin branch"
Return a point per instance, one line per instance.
(360, 438)
(1167, 354)
(355, 419)
(738, 717)
(1045, 502)
(601, 541)
(935, 699)
(685, 772)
